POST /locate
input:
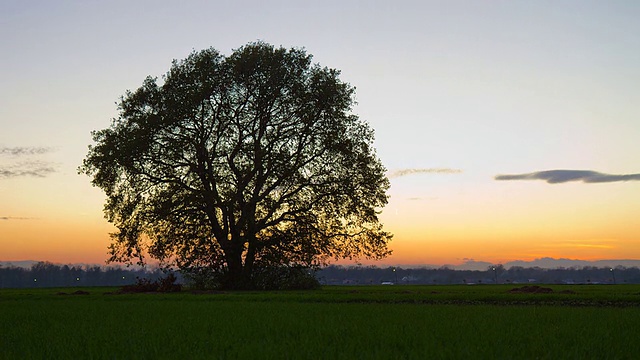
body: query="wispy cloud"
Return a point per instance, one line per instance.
(24, 150)
(407, 172)
(14, 218)
(563, 176)
(28, 164)
(588, 243)
(33, 169)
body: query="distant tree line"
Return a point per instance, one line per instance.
(46, 274)
(364, 275)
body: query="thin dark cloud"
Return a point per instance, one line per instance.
(407, 172)
(24, 150)
(29, 169)
(14, 218)
(29, 164)
(563, 176)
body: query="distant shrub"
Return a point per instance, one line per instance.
(535, 289)
(203, 278)
(285, 278)
(144, 285)
(272, 277)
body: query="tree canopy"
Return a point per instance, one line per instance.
(236, 163)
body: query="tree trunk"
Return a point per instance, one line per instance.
(235, 277)
(249, 259)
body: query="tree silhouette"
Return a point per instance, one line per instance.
(233, 163)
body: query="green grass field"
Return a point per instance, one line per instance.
(372, 322)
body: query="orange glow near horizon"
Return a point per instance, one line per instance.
(77, 243)
(516, 222)
(456, 252)
(57, 242)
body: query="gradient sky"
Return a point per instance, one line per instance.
(475, 104)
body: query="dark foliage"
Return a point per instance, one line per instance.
(276, 277)
(285, 278)
(162, 285)
(534, 289)
(203, 278)
(78, 292)
(239, 163)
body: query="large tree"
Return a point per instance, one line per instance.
(241, 161)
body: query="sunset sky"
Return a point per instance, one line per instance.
(510, 129)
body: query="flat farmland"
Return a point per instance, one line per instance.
(364, 322)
